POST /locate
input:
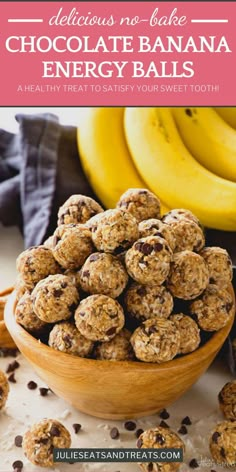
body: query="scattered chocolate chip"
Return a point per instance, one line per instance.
(32, 385)
(111, 331)
(18, 440)
(186, 420)
(11, 378)
(57, 292)
(215, 437)
(142, 291)
(54, 431)
(160, 439)
(76, 427)
(17, 470)
(164, 414)
(114, 433)
(138, 432)
(163, 424)
(188, 112)
(183, 430)
(222, 452)
(12, 366)
(150, 467)
(139, 443)
(6, 352)
(43, 391)
(193, 464)
(130, 425)
(17, 465)
(158, 247)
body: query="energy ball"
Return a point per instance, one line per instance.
(26, 317)
(20, 288)
(65, 337)
(103, 273)
(78, 209)
(227, 400)
(188, 276)
(179, 214)
(188, 236)
(114, 230)
(118, 349)
(154, 227)
(72, 245)
(4, 389)
(141, 203)
(41, 439)
(55, 298)
(223, 443)
(156, 340)
(36, 263)
(148, 260)
(219, 265)
(99, 318)
(157, 438)
(189, 332)
(148, 301)
(213, 308)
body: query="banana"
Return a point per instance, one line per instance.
(168, 167)
(105, 156)
(209, 139)
(228, 115)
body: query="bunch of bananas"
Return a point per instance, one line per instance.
(186, 156)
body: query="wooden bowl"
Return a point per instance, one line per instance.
(6, 341)
(115, 390)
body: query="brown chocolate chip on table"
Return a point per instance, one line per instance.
(18, 440)
(163, 424)
(186, 420)
(138, 432)
(11, 378)
(17, 465)
(32, 385)
(114, 433)
(12, 366)
(193, 464)
(76, 427)
(43, 391)
(164, 414)
(183, 430)
(130, 425)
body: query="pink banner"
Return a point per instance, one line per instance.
(117, 53)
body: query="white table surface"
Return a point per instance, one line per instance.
(24, 407)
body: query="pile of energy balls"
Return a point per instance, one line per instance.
(124, 284)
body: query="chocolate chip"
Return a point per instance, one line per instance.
(11, 378)
(43, 391)
(17, 465)
(55, 431)
(6, 352)
(12, 366)
(64, 284)
(142, 291)
(193, 464)
(114, 433)
(67, 339)
(150, 467)
(222, 453)
(18, 440)
(186, 420)
(94, 257)
(139, 443)
(183, 430)
(82, 313)
(212, 280)
(152, 329)
(57, 292)
(212, 470)
(138, 432)
(76, 427)
(188, 112)
(157, 247)
(111, 331)
(130, 425)
(32, 385)
(85, 273)
(164, 414)
(163, 424)
(228, 307)
(146, 249)
(160, 439)
(142, 192)
(215, 437)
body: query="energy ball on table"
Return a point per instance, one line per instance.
(223, 443)
(160, 438)
(4, 389)
(227, 400)
(41, 439)
(114, 230)
(189, 332)
(99, 318)
(188, 236)
(188, 276)
(25, 315)
(219, 265)
(78, 209)
(118, 349)
(55, 298)
(156, 340)
(179, 214)
(148, 260)
(141, 203)
(213, 308)
(154, 227)
(148, 301)
(103, 273)
(72, 245)
(65, 337)
(36, 263)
